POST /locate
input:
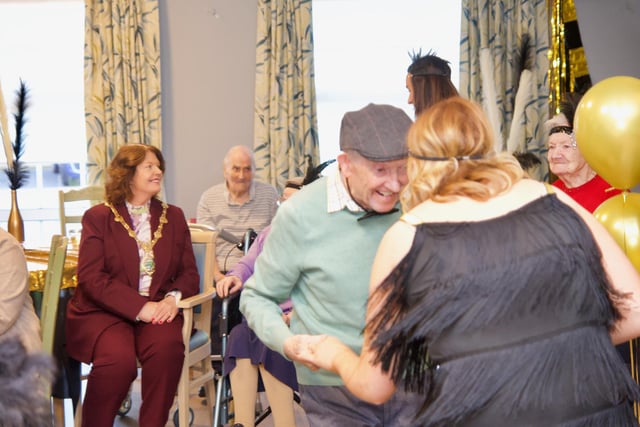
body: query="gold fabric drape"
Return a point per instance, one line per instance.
(122, 79)
(285, 122)
(568, 70)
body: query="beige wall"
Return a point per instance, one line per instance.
(610, 35)
(208, 63)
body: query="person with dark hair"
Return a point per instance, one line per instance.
(495, 297)
(428, 81)
(575, 176)
(319, 254)
(25, 378)
(135, 262)
(247, 359)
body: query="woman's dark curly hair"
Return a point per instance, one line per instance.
(123, 167)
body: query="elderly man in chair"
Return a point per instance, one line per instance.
(236, 205)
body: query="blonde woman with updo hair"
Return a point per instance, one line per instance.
(494, 296)
(443, 172)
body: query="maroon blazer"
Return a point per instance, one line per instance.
(109, 273)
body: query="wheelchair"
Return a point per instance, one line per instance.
(224, 398)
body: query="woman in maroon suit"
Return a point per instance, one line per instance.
(135, 263)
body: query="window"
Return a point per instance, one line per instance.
(42, 43)
(362, 48)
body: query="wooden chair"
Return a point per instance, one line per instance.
(49, 309)
(73, 203)
(197, 370)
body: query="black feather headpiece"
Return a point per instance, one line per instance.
(16, 171)
(428, 65)
(313, 173)
(527, 159)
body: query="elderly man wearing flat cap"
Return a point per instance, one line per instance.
(319, 253)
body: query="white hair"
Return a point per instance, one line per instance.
(557, 120)
(246, 150)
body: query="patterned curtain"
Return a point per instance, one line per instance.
(285, 124)
(504, 66)
(122, 78)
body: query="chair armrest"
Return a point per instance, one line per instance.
(197, 299)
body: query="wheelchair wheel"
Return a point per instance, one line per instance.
(176, 421)
(125, 406)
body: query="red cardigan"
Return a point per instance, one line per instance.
(591, 194)
(109, 273)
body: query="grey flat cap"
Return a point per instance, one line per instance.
(378, 132)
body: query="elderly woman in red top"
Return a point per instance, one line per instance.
(575, 176)
(135, 263)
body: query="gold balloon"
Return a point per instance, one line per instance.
(621, 217)
(607, 129)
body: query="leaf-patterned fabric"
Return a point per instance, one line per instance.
(285, 123)
(122, 79)
(504, 66)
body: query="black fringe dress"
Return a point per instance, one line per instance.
(513, 313)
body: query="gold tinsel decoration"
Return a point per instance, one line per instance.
(568, 70)
(557, 64)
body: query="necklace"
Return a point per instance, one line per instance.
(147, 265)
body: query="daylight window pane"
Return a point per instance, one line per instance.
(42, 44)
(361, 54)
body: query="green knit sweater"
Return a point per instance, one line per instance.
(322, 261)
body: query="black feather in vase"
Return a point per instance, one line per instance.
(18, 173)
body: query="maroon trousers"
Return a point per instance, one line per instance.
(159, 350)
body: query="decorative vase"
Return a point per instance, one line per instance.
(15, 224)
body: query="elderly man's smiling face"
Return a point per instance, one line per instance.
(373, 185)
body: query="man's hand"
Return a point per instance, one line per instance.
(316, 351)
(228, 285)
(297, 348)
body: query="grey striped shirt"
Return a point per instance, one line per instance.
(214, 209)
